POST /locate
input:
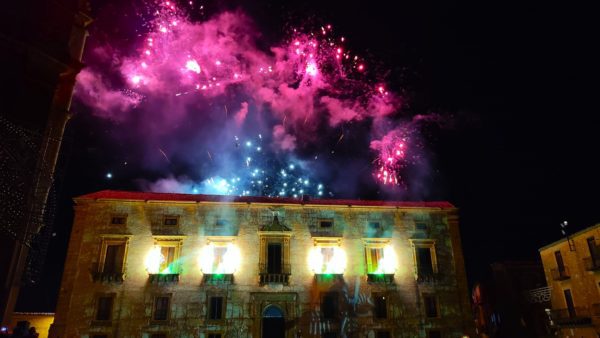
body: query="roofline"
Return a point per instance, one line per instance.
(149, 197)
(580, 232)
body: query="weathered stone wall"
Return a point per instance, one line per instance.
(245, 298)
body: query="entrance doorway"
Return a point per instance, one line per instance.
(273, 322)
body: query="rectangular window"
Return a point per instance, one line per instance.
(158, 335)
(593, 248)
(325, 224)
(559, 261)
(214, 335)
(375, 257)
(431, 308)
(100, 336)
(215, 308)
(434, 334)
(380, 306)
(221, 223)
(424, 261)
(168, 255)
(374, 226)
(383, 334)
(569, 302)
(104, 308)
(171, 220)
(113, 258)
(274, 258)
(421, 226)
(118, 220)
(330, 335)
(329, 305)
(161, 307)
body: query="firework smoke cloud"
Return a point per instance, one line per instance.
(214, 111)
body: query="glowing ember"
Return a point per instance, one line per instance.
(311, 69)
(193, 66)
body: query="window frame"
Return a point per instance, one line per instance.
(116, 216)
(170, 242)
(373, 243)
(386, 310)
(110, 295)
(424, 243)
(108, 240)
(177, 219)
(321, 228)
(437, 305)
(155, 298)
(283, 238)
(214, 333)
(336, 305)
(209, 307)
(327, 242)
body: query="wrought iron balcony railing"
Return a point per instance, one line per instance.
(539, 295)
(380, 278)
(427, 274)
(217, 278)
(270, 274)
(103, 276)
(571, 316)
(328, 277)
(163, 278)
(592, 263)
(560, 273)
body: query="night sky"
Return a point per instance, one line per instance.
(517, 155)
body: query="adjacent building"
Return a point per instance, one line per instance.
(173, 265)
(572, 268)
(42, 43)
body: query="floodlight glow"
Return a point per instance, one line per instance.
(219, 259)
(327, 260)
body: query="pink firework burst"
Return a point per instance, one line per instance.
(392, 150)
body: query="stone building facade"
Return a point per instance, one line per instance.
(572, 269)
(173, 265)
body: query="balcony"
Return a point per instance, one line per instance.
(110, 277)
(560, 274)
(380, 278)
(281, 275)
(158, 278)
(217, 278)
(577, 316)
(328, 277)
(428, 278)
(592, 263)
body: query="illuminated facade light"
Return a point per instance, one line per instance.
(163, 257)
(219, 258)
(327, 260)
(381, 259)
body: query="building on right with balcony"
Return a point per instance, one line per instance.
(572, 269)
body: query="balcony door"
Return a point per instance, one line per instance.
(593, 251)
(569, 301)
(274, 258)
(559, 261)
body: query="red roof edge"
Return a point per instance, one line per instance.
(157, 196)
